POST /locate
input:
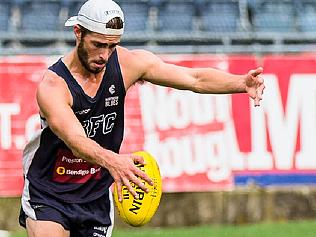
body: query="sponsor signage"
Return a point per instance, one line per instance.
(201, 142)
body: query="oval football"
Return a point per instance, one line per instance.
(138, 212)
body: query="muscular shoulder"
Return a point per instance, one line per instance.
(53, 86)
(135, 64)
(51, 79)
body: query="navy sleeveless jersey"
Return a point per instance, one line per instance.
(49, 165)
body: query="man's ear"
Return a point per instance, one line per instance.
(77, 31)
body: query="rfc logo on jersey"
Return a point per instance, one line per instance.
(111, 101)
(104, 123)
(112, 89)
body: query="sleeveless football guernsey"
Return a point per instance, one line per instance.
(49, 166)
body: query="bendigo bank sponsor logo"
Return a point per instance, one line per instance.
(71, 169)
(60, 170)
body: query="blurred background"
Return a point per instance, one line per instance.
(225, 164)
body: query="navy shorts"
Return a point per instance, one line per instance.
(81, 219)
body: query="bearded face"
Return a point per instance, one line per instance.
(90, 62)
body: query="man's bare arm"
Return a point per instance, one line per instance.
(201, 80)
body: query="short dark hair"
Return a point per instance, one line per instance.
(84, 31)
(114, 23)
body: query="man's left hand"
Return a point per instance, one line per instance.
(255, 85)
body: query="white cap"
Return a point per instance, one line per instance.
(94, 14)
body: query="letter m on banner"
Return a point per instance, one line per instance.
(290, 125)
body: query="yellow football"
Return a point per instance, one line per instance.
(138, 212)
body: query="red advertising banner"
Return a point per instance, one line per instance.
(18, 116)
(201, 142)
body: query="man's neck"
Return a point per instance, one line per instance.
(75, 66)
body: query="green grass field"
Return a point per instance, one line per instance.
(284, 229)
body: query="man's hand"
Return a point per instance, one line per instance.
(255, 85)
(123, 170)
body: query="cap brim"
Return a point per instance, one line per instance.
(72, 21)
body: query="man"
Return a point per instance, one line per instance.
(71, 163)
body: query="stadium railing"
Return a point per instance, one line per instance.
(186, 26)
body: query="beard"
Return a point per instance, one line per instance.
(83, 57)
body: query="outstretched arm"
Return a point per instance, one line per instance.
(200, 80)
